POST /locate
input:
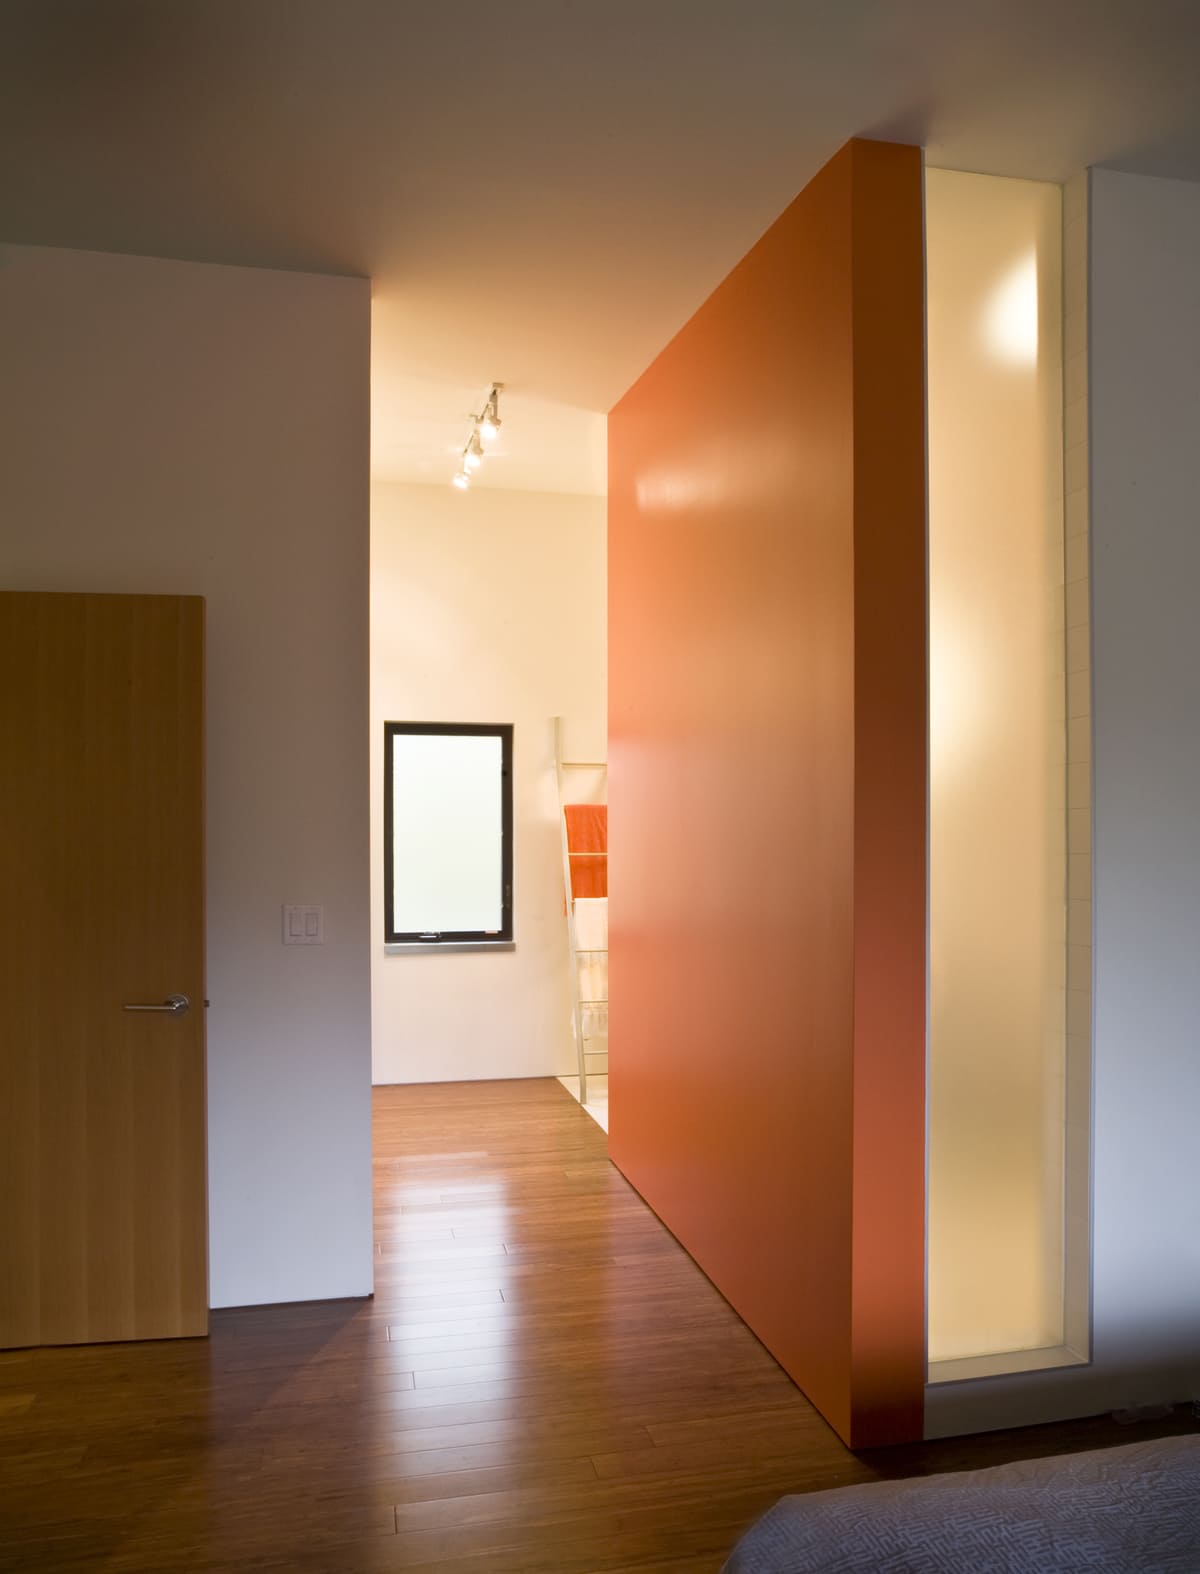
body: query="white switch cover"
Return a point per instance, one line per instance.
(303, 924)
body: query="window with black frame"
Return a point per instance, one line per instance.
(447, 833)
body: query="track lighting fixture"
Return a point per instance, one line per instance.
(485, 428)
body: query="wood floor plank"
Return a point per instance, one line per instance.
(544, 1383)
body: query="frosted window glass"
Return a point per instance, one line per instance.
(447, 824)
(998, 854)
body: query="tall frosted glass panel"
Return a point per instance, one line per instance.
(446, 833)
(998, 852)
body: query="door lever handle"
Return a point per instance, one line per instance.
(173, 1005)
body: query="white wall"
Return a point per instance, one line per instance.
(1145, 482)
(1145, 283)
(486, 606)
(183, 428)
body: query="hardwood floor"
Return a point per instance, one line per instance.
(544, 1383)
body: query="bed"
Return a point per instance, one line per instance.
(1128, 1510)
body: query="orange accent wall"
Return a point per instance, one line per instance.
(767, 751)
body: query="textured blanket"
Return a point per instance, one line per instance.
(1130, 1510)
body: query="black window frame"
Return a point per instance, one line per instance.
(430, 938)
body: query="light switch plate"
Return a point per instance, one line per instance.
(303, 924)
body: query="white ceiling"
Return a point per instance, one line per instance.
(541, 190)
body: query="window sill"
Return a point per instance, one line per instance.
(411, 947)
(1011, 1363)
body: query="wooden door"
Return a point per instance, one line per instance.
(102, 1109)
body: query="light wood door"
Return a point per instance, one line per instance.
(102, 1110)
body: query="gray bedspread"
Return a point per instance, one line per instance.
(1129, 1510)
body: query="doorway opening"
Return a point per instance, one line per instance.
(489, 633)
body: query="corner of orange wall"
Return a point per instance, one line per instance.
(890, 787)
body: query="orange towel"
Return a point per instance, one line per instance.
(589, 876)
(587, 827)
(587, 842)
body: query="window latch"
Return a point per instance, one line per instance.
(429, 937)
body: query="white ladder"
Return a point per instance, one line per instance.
(561, 766)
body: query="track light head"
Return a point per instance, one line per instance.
(489, 421)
